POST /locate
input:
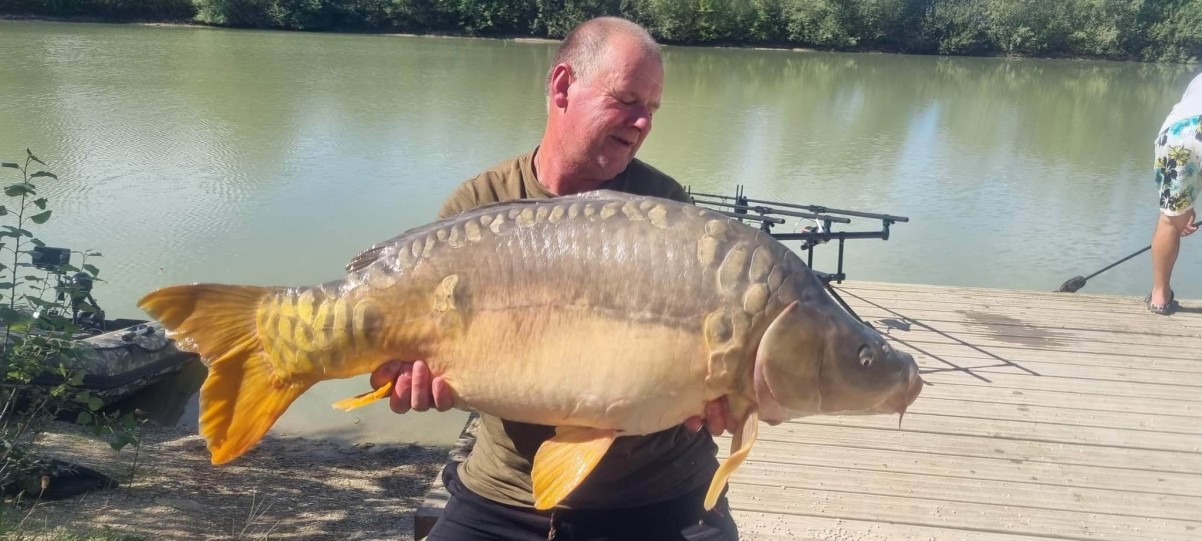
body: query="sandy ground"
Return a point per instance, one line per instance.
(285, 488)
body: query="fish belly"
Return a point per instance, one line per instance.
(573, 367)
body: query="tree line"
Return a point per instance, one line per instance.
(1148, 30)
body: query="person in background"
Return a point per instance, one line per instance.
(1178, 172)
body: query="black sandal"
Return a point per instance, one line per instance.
(1162, 310)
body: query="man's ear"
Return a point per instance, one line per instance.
(561, 79)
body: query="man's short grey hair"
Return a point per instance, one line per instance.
(585, 47)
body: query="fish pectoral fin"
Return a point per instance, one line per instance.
(740, 445)
(563, 461)
(364, 399)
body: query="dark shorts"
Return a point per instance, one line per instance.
(471, 517)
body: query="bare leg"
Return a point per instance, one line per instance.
(1166, 243)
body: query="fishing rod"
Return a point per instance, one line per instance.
(769, 210)
(1077, 282)
(761, 219)
(812, 208)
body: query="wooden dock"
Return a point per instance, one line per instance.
(1049, 416)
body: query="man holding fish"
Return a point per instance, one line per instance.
(576, 300)
(603, 88)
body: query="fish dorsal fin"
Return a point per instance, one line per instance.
(365, 258)
(740, 445)
(606, 194)
(563, 461)
(371, 254)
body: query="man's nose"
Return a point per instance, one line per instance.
(641, 118)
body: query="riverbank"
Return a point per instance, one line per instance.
(1070, 29)
(525, 38)
(285, 488)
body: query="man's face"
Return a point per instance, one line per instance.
(609, 115)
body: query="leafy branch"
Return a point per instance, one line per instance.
(40, 330)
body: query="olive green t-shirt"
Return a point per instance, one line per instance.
(637, 470)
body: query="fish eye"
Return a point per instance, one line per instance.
(865, 356)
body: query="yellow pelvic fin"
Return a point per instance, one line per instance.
(242, 396)
(364, 399)
(740, 445)
(563, 461)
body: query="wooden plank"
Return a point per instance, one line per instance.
(1185, 394)
(1056, 416)
(1133, 310)
(1061, 318)
(942, 299)
(957, 445)
(1166, 350)
(1119, 504)
(1046, 336)
(1024, 431)
(759, 526)
(1042, 337)
(1019, 295)
(1066, 399)
(969, 469)
(1050, 322)
(958, 515)
(931, 364)
(1055, 316)
(1044, 312)
(936, 296)
(1191, 368)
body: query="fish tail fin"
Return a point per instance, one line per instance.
(209, 319)
(242, 395)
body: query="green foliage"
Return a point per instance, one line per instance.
(1154, 30)
(555, 18)
(497, 17)
(702, 21)
(168, 10)
(1175, 31)
(38, 383)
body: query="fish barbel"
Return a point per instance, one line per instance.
(602, 314)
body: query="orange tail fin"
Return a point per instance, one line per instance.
(242, 396)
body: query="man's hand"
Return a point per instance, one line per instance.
(414, 386)
(717, 418)
(1189, 223)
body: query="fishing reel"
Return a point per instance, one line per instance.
(812, 235)
(75, 289)
(85, 311)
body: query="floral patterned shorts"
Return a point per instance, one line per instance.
(1178, 164)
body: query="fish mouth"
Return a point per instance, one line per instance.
(901, 400)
